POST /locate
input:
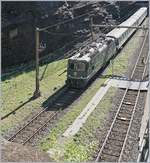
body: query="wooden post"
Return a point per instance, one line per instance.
(37, 84)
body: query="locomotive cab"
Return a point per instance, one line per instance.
(77, 73)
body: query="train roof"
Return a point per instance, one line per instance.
(99, 44)
(88, 52)
(129, 22)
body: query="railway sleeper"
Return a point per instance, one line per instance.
(108, 158)
(141, 65)
(117, 138)
(120, 122)
(118, 132)
(115, 131)
(124, 118)
(125, 112)
(116, 143)
(111, 154)
(120, 129)
(138, 69)
(126, 108)
(128, 103)
(111, 146)
(122, 125)
(129, 94)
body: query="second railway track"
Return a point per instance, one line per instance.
(123, 117)
(114, 144)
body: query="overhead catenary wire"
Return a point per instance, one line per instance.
(67, 21)
(90, 40)
(53, 33)
(24, 67)
(63, 23)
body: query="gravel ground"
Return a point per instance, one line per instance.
(13, 152)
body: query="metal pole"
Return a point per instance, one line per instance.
(37, 90)
(112, 64)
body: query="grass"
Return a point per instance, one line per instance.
(69, 117)
(83, 144)
(71, 150)
(16, 91)
(86, 139)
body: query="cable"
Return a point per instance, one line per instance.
(90, 40)
(66, 21)
(53, 33)
(31, 64)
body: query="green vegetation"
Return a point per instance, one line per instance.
(121, 64)
(84, 143)
(87, 138)
(75, 152)
(17, 91)
(70, 116)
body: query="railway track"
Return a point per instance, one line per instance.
(81, 47)
(68, 54)
(38, 122)
(114, 144)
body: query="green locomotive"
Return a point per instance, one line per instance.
(84, 65)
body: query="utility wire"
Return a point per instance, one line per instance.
(32, 63)
(66, 21)
(53, 33)
(48, 31)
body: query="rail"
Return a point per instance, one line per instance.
(119, 108)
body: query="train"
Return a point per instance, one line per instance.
(82, 67)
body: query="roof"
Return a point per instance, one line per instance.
(90, 50)
(129, 22)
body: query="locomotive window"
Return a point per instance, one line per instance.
(71, 66)
(80, 67)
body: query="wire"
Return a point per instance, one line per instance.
(32, 63)
(53, 33)
(66, 21)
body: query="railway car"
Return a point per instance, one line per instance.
(84, 65)
(122, 34)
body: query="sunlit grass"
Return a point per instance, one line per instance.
(17, 90)
(70, 151)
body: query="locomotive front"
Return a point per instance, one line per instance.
(77, 73)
